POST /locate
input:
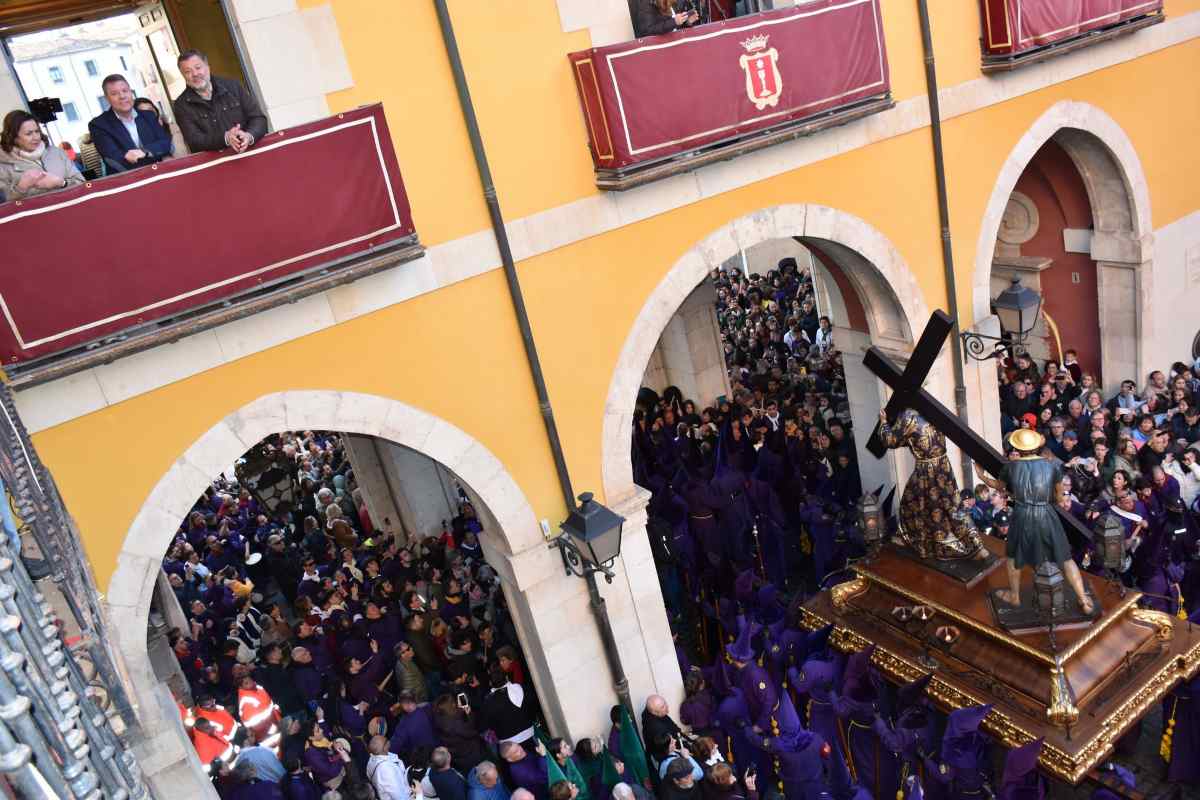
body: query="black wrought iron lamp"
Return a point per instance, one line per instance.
(591, 543)
(1018, 308)
(591, 539)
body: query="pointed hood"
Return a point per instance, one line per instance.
(965, 720)
(789, 732)
(816, 642)
(913, 692)
(742, 649)
(962, 744)
(1020, 762)
(813, 674)
(769, 610)
(857, 684)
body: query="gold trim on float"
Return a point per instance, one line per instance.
(843, 592)
(1164, 628)
(1000, 725)
(1062, 657)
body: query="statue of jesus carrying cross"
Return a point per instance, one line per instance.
(909, 398)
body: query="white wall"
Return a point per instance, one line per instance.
(1174, 308)
(77, 87)
(422, 489)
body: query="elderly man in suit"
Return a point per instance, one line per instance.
(126, 139)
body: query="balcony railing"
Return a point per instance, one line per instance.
(660, 105)
(1017, 32)
(124, 262)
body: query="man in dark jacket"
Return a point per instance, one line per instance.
(279, 682)
(126, 139)
(507, 710)
(446, 781)
(215, 113)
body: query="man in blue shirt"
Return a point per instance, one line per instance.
(126, 139)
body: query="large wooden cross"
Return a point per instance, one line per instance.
(907, 393)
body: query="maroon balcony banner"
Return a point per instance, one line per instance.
(1014, 26)
(663, 95)
(88, 262)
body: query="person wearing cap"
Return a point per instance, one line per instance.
(679, 781)
(1036, 534)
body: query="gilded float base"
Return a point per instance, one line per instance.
(1080, 689)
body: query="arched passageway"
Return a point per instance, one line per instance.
(549, 610)
(1069, 216)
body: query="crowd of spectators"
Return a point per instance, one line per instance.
(329, 656)
(1132, 455)
(212, 114)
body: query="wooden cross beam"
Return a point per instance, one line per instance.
(907, 393)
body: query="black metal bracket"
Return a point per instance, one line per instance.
(575, 564)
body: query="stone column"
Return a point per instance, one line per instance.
(1120, 324)
(689, 350)
(370, 475)
(865, 398)
(559, 635)
(294, 56)
(422, 489)
(983, 391)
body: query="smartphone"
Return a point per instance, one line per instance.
(462, 700)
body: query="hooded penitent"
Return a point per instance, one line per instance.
(1021, 779)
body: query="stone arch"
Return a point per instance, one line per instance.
(1119, 196)
(514, 538)
(892, 298)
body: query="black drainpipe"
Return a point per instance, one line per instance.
(598, 606)
(939, 167)
(506, 258)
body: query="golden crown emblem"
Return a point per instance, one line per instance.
(755, 43)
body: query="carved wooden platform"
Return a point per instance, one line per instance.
(1081, 694)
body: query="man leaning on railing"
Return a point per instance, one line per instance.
(215, 113)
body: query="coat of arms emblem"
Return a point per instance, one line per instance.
(764, 84)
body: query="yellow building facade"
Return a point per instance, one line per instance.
(428, 354)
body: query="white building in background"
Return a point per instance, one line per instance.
(72, 69)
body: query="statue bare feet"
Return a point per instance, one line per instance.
(1008, 596)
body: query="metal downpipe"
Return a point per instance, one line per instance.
(939, 167)
(506, 257)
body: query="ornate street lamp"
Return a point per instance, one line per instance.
(1018, 308)
(590, 542)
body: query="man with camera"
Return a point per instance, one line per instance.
(126, 139)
